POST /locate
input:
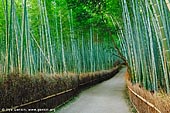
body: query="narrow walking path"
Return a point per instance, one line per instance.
(107, 97)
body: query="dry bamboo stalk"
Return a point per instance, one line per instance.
(168, 4)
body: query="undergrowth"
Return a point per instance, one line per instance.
(160, 100)
(19, 89)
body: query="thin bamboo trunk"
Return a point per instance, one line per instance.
(62, 45)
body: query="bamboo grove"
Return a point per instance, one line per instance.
(146, 42)
(35, 39)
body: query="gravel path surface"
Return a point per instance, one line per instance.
(106, 97)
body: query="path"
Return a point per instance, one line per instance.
(106, 97)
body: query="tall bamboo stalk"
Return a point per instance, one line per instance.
(148, 23)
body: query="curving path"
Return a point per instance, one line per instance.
(106, 97)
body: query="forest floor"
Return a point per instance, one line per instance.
(106, 97)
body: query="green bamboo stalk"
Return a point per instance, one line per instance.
(57, 43)
(91, 49)
(83, 53)
(7, 36)
(62, 45)
(163, 39)
(24, 2)
(50, 48)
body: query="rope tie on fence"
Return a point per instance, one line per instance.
(144, 100)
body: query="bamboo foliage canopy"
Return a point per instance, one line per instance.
(39, 36)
